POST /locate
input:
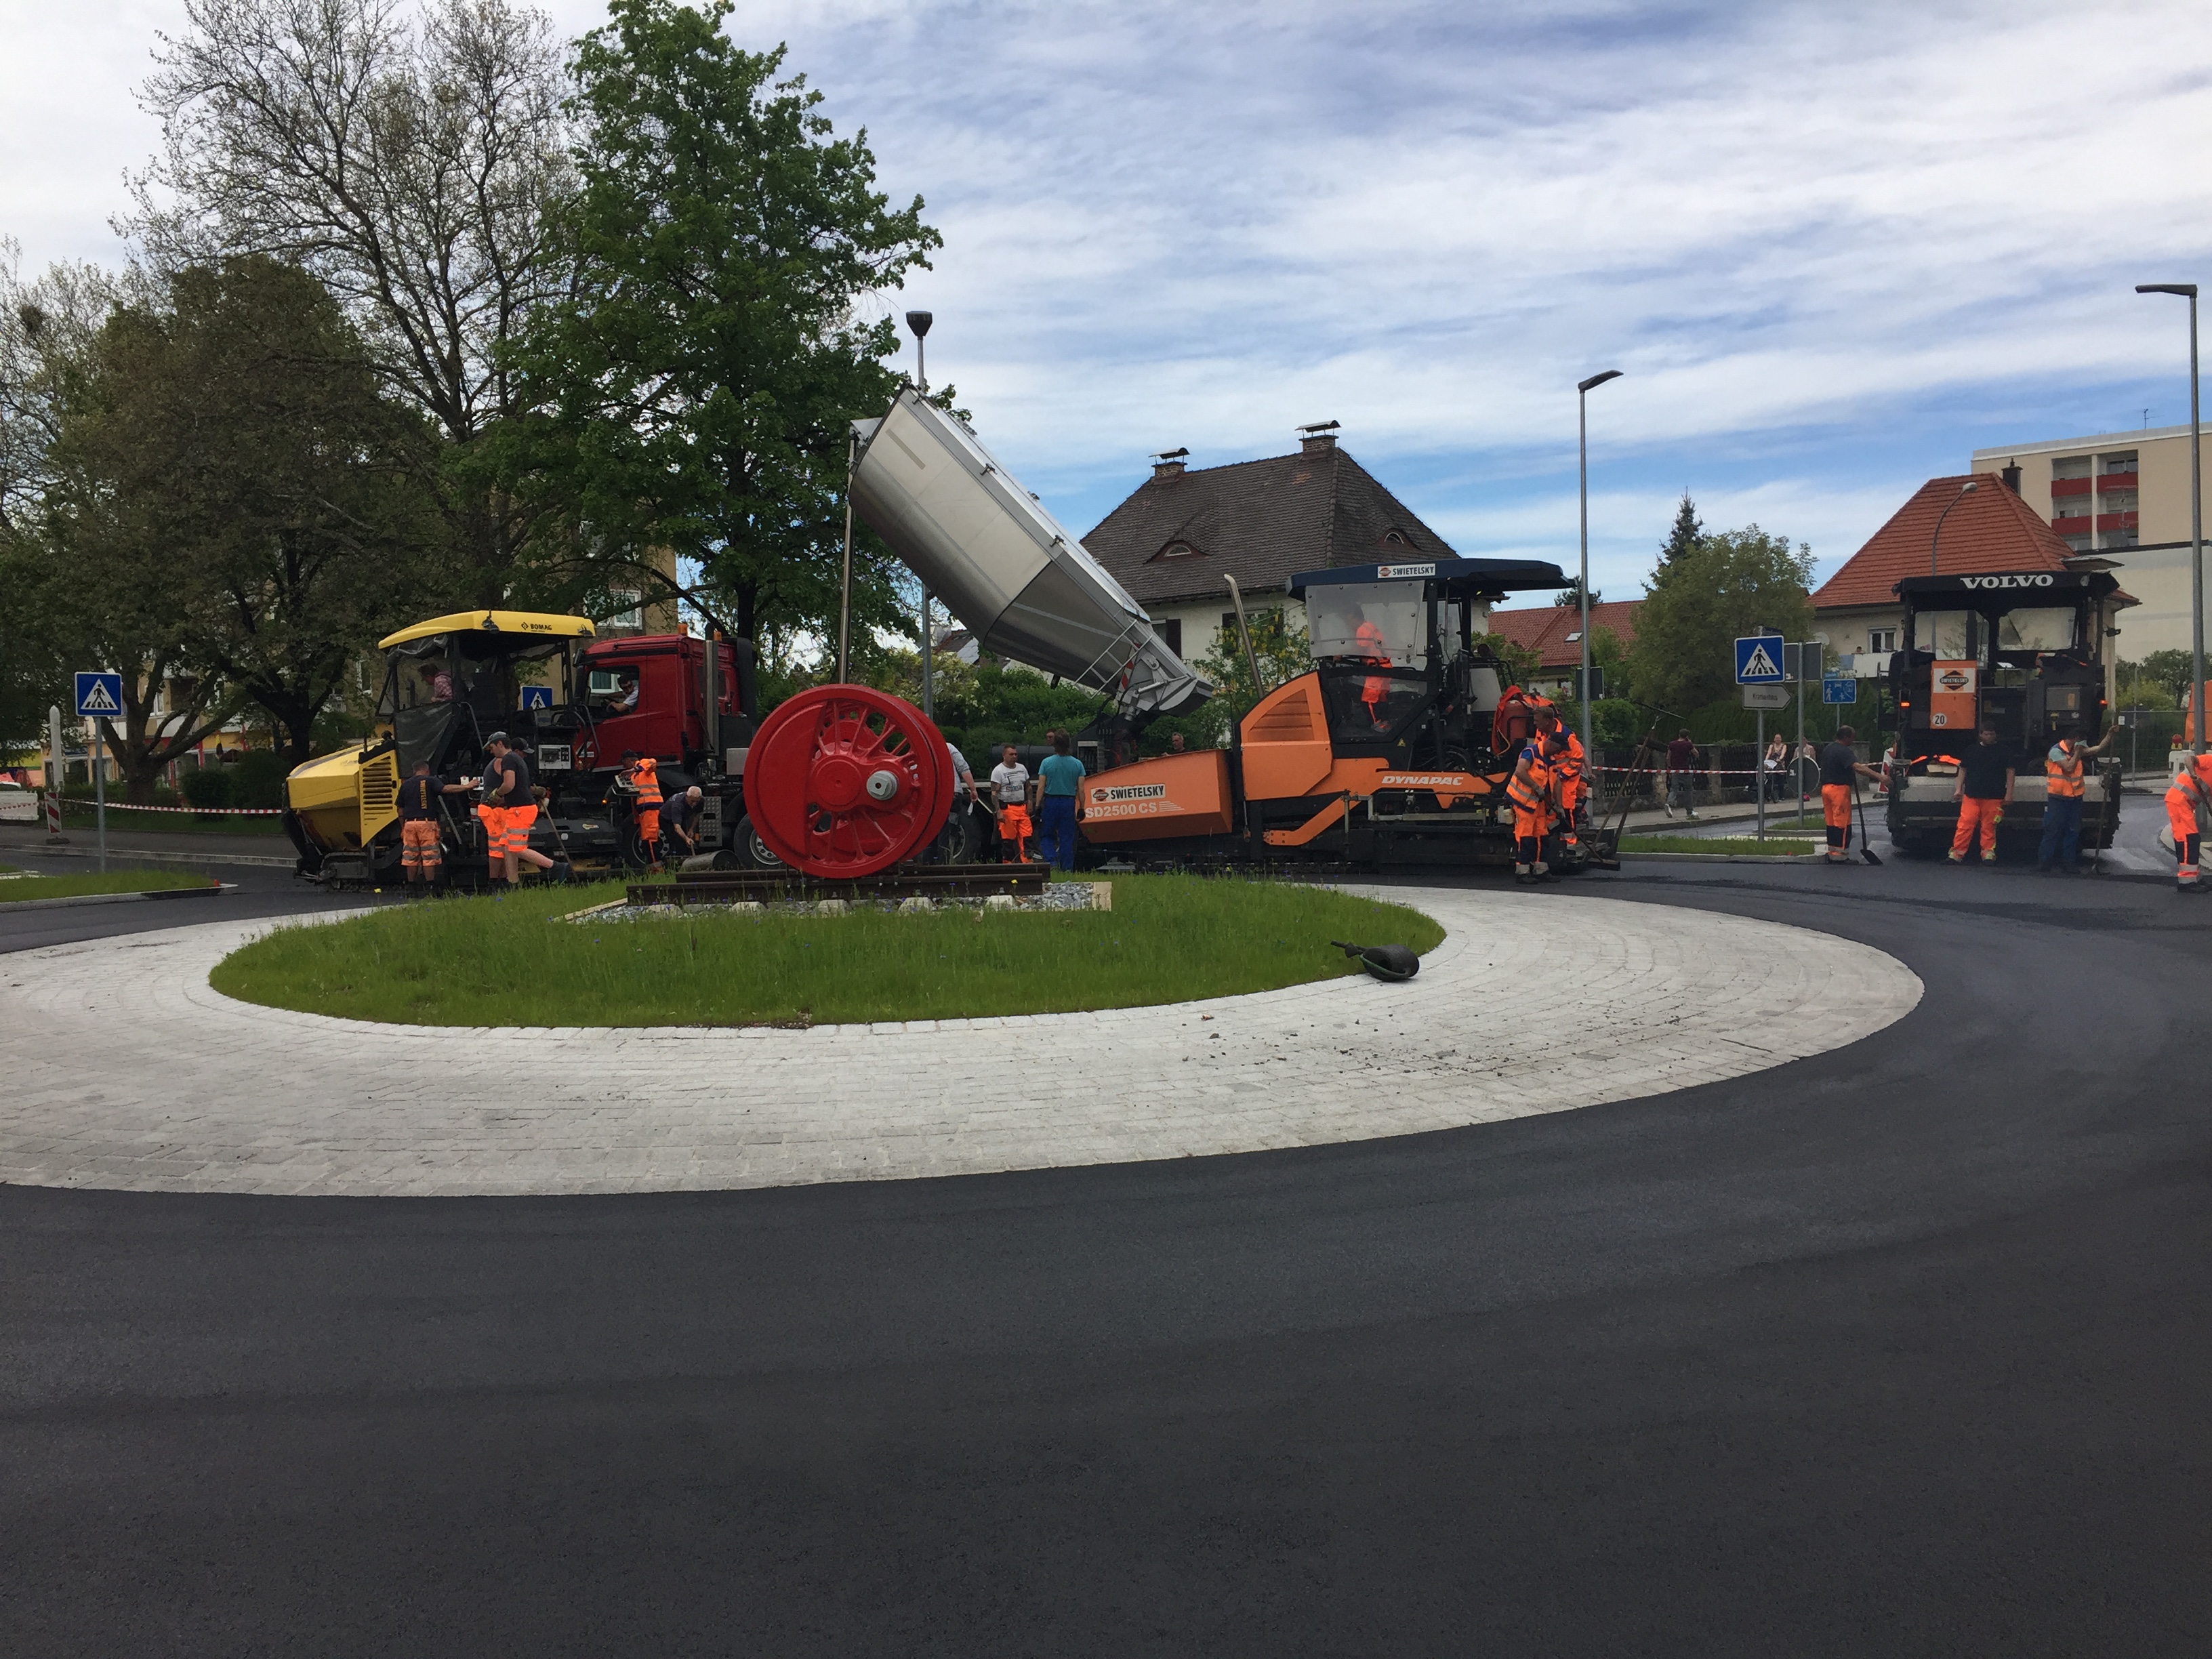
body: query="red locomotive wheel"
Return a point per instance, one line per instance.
(844, 782)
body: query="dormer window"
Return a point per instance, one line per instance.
(1177, 550)
(1396, 540)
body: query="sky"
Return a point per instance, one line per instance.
(1832, 249)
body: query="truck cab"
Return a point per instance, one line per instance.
(2025, 649)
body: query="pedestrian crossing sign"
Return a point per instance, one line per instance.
(1759, 660)
(537, 696)
(99, 694)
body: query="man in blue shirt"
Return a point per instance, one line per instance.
(1061, 775)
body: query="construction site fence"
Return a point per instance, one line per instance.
(1725, 772)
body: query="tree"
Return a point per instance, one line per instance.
(409, 165)
(1571, 595)
(1283, 653)
(2169, 670)
(700, 373)
(1699, 600)
(1683, 536)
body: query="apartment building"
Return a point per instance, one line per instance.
(2121, 497)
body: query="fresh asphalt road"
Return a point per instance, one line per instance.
(1900, 1350)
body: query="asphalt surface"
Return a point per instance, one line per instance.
(1903, 1349)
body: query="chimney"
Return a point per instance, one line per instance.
(1319, 438)
(1169, 463)
(2011, 476)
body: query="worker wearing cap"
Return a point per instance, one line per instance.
(1983, 792)
(491, 810)
(1368, 645)
(517, 802)
(1531, 791)
(2063, 771)
(1840, 771)
(1568, 766)
(2187, 802)
(642, 773)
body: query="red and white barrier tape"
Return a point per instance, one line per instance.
(74, 804)
(1699, 772)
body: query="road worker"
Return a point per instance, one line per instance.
(2188, 805)
(517, 803)
(1009, 789)
(420, 853)
(1532, 792)
(642, 773)
(1371, 647)
(1983, 792)
(2064, 769)
(681, 821)
(1840, 771)
(1569, 767)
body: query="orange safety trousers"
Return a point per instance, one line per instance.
(515, 830)
(418, 845)
(1014, 827)
(1972, 814)
(1836, 813)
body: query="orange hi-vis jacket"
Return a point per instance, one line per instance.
(1534, 792)
(645, 775)
(1568, 764)
(2061, 771)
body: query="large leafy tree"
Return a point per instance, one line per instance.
(700, 374)
(409, 157)
(1699, 599)
(232, 510)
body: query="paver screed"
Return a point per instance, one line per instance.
(125, 1070)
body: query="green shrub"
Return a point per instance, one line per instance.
(256, 779)
(207, 787)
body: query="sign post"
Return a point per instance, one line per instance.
(57, 776)
(1758, 671)
(97, 696)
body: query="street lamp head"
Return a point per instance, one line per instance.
(1968, 488)
(919, 321)
(1597, 380)
(2186, 290)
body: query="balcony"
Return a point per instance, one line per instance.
(2110, 482)
(2073, 524)
(2069, 487)
(2113, 521)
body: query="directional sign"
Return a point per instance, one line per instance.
(537, 696)
(1839, 688)
(99, 694)
(1759, 660)
(1767, 696)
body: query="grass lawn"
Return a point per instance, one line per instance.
(506, 962)
(15, 888)
(1772, 847)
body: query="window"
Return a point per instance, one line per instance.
(2079, 543)
(2050, 629)
(1177, 550)
(1393, 614)
(629, 609)
(1946, 633)
(1880, 639)
(1170, 632)
(2122, 463)
(1396, 540)
(2070, 466)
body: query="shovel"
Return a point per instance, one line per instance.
(1866, 852)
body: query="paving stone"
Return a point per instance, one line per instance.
(127, 1070)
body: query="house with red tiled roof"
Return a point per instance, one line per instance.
(1554, 633)
(1956, 527)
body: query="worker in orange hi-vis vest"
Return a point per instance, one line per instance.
(2188, 804)
(1532, 797)
(1372, 647)
(644, 776)
(2065, 774)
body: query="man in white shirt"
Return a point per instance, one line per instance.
(1010, 788)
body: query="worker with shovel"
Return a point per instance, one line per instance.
(2187, 804)
(1840, 770)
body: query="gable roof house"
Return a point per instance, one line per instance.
(1991, 530)
(1554, 633)
(1174, 542)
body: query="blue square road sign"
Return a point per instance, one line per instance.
(99, 694)
(537, 696)
(1759, 660)
(1839, 688)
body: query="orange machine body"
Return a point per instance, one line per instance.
(1167, 795)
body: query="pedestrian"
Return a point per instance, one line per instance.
(422, 856)
(1175, 742)
(1840, 771)
(1770, 769)
(1681, 776)
(1060, 775)
(963, 782)
(1009, 789)
(680, 821)
(2188, 807)
(1983, 791)
(519, 809)
(2063, 769)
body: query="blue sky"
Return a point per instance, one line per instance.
(1835, 248)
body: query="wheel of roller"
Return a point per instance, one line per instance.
(843, 781)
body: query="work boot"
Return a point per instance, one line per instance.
(1957, 858)
(562, 871)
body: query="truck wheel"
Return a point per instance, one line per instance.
(752, 851)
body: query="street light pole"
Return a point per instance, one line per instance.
(1581, 448)
(1935, 540)
(2188, 291)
